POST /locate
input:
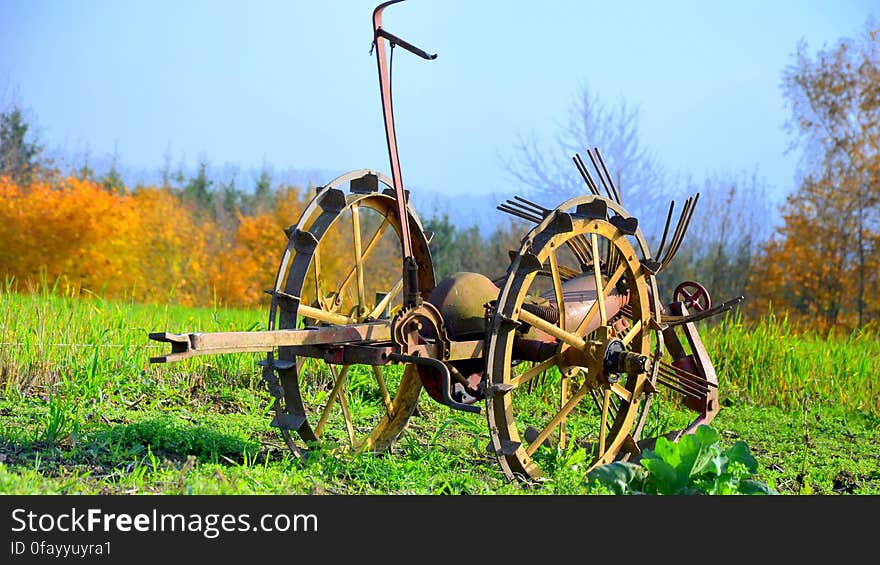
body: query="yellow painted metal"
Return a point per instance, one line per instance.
(358, 259)
(324, 316)
(529, 374)
(603, 426)
(383, 388)
(339, 381)
(551, 329)
(597, 274)
(618, 403)
(367, 250)
(563, 412)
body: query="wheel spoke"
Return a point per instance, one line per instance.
(563, 386)
(367, 250)
(383, 388)
(323, 316)
(387, 299)
(358, 260)
(529, 374)
(603, 426)
(557, 288)
(621, 392)
(632, 333)
(331, 398)
(559, 417)
(594, 308)
(597, 273)
(346, 414)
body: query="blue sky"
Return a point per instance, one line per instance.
(291, 84)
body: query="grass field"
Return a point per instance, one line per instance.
(83, 411)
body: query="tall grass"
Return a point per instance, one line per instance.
(769, 362)
(76, 352)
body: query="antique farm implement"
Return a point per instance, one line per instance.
(569, 349)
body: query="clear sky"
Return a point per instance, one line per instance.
(291, 83)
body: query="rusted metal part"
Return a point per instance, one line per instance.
(184, 346)
(380, 36)
(691, 374)
(673, 320)
(693, 295)
(461, 300)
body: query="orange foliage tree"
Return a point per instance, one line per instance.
(76, 232)
(821, 265)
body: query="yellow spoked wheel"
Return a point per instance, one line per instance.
(573, 346)
(342, 267)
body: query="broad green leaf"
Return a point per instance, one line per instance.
(663, 476)
(740, 453)
(620, 477)
(664, 450)
(750, 486)
(707, 434)
(718, 465)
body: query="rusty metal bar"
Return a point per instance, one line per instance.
(607, 175)
(189, 345)
(599, 174)
(582, 169)
(380, 36)
(665, 229)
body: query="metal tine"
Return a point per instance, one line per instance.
(518, 213)
(598, 172)
(612, 408)
(687, 220)
(666, 383)
(527, 209)
(534, 205)
(578, 253)
(582, 169)
(676, 235)
(608, 176)
(666, 229)
(689, 385)
(683, 374)
(713, 311)
(567, 273)
(583, 251)
(665, 260)
(684, 227)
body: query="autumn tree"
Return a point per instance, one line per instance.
(822, 262)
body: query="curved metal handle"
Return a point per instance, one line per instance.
(394, 40)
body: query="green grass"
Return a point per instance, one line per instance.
(83, 411)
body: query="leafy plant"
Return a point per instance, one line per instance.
(695, 464)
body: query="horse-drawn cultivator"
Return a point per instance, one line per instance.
(568, 350)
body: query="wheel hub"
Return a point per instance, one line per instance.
(617, 361)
